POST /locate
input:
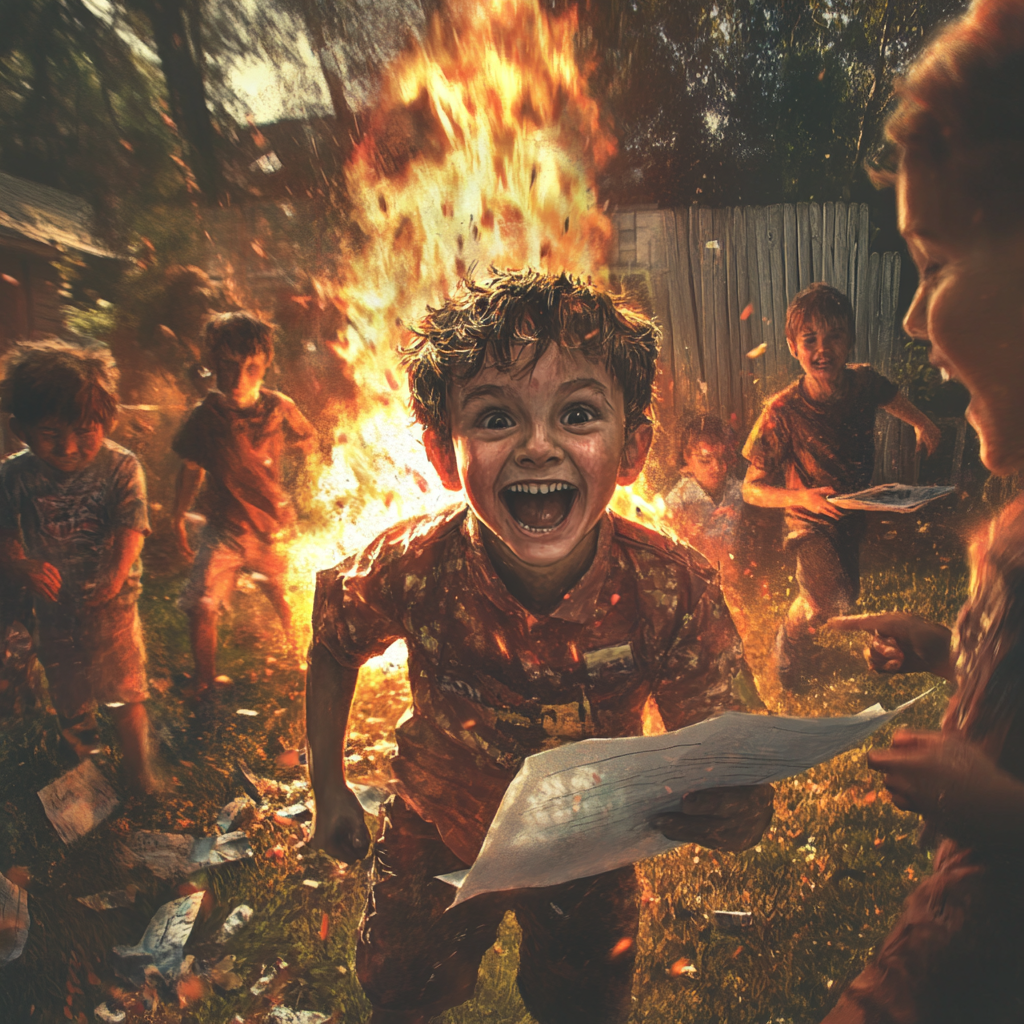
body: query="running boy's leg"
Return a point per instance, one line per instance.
(415, 961)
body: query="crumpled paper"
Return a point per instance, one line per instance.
(171, 854)
(14, 920)
(162, 946)
(78, 801)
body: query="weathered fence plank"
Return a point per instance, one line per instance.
(803, 244)
(828, 240)
(863, 307)
(816, 230)
(791, 257)
(779, 301)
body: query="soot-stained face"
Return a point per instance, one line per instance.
(539, 451)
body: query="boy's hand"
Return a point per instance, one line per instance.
(954, 784)
(928, 436)
(103, 592)
(901, 642)
(181, 538)
(339, 828)
(815, 499)
(728, 818)
(40, 577)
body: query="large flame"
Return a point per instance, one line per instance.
(483, 150)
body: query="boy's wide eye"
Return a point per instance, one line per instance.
(577, 415)
(497, 421)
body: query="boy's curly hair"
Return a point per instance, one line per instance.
(238, 335)
(513, 308)
(76, 383)
(823, 303)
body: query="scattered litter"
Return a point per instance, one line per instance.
(282, 1015)
(311, 883)
(235, 922)
(259, 788)
(78, 801)
(171, 854)
(195, 517)
(224, 681)
(223, 975)
(680, 967)
(248, 712)
(325, 924)
(370, 797)
(112, 899)
(292, 758)
(758, 351)
(733, 920)
(162, 945)
(263, 983)
(231, 812)
(109, 1016)
(293, 815)
(14, 920)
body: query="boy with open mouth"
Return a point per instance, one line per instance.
(533, 617)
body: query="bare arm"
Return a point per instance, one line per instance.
(756, 491)
(302, 429)
(190, 479)
(40, 577)
(339, 828)
(127, 547)
(927, 433)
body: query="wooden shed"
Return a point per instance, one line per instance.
(38, 225)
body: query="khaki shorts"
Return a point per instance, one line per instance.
(219, 560)
(92, 656)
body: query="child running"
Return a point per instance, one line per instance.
(234, 440)
(73, 519)
(533, 617)
(813, 439)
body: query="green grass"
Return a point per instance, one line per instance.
(825, 883)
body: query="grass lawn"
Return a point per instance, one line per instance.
(824, 885)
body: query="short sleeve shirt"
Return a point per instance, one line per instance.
(241, 451)
(70, 519)
(492, 684)
(798, 442)
(708, 525)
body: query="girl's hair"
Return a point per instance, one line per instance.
(517, 309)
(75, 383)
(961, 108)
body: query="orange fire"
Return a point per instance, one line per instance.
(483, 150)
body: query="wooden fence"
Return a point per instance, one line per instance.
(720, 281)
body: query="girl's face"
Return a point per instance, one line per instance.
(969, 305)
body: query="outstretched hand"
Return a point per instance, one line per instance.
(339, 828)
(953, 784)
(727, 818)
(815, 499)
(901, 642)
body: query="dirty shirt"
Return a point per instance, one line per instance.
(799, 443)
(709, 525)
(492, 683)
(70, 519)
(241, 451)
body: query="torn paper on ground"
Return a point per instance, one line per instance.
(14, 920)
(584, 808)
(112, 899)
(109, 1016)
(231, 812)
(234, 923)
(170, 854)
(162, 946)
(370, 797)
(78, 801)
(282, 1015)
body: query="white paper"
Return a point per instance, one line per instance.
(234, 923)
(14, 920)
(78, 801)
(584, 808)
(891, 498)
(231, 812)
(171, 854)
(283, 1015)
(163, 943)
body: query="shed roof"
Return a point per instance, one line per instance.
(48, 216)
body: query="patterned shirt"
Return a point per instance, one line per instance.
(70, 519)
(492, 683)
(241, 451)
(798, 442)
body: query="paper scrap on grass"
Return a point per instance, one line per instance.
(234, 923)
(370, 797)
(283, 1015)
(14, 920)
(584, 808)
(231, 812)
(170, 854)
(112, 899)
(163, 944)
(108, 1016)
(891, 498)
(78, 801)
